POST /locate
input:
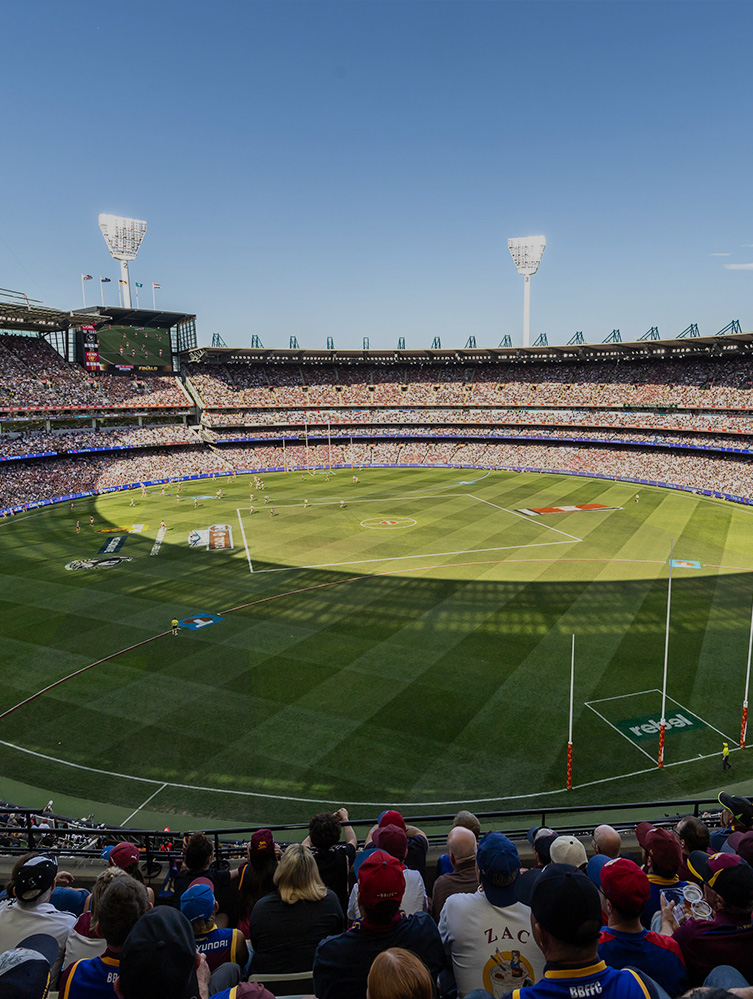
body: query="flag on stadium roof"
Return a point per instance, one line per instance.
(156, 285)
(87, 277)
(138, 285)
(104, 280)
(121, 281)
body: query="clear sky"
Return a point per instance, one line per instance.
(355, 168)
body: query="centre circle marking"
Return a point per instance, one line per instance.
(388, 523)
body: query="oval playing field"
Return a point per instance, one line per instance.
(321, 661)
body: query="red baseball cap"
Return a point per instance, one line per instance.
(625, 885)
(262, 841)
(391, 839)
(391, 818)
(662, 844)
(380, 879)
(124, 855)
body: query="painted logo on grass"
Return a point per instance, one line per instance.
(388, 523)
(97, 563)
(200, 621)
(684, 563)
(537, 511)
(113, 545)
(217, 538)
(648, 726)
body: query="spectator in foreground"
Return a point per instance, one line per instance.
(257, 876)
(624, 943)
(418, 843)
(159, 961)
(399, 974)
(737, 816)
(607, 840)
(287, 926)
(198, 857)
(25, 973)
(568, 850)
(220, 946)
(487, 934)
(333, 858)
(463, 876)
(121, 906)
(27, 909)
(693, 834)
(565, 922)
(727, 939)
(541, 839)
(467, 820)
(662, 856)
(342, 963)
(392, 840)
(85, 941)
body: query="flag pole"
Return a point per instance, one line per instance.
(83, 292)
(744, 726)
(102, 292)
(663, 723)
(570, 732)
(137, 297)
(154, 300)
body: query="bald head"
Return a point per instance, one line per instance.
(607, 841)
(461, 845)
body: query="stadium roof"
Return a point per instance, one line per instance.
(34, 318)
(154, 318)
(637, 350)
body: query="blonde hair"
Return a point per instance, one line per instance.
(297, 876)
(103, 882)
(399, 974)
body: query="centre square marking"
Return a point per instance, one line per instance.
(388, 523)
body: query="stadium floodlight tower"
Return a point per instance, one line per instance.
(123, 237)
(526, 253)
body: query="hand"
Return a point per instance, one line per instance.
(668, 921)
(342, 814)
(63, 878)
(202, 975)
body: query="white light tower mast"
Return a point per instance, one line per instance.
(526, 253)
(123, 238)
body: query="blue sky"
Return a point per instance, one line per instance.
(355, 168)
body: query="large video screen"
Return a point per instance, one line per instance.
(134, 347)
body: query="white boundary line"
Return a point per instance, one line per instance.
(655, 690)
(376, 804)
(245, 544)
(626, 737)
(143, 803)
(618, 697)
(527, 519)
(405, 558)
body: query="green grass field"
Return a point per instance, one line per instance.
(412, 648)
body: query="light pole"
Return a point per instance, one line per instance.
(526, 253)
(123, 237)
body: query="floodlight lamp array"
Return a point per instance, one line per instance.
(123, 236)
(526, 252)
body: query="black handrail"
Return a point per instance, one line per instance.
(230, 841)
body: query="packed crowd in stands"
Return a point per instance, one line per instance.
(561, 433)
(655, 911)
(31, 481)
(33, 375)
(691, 383)
(47, 442)
(722, 422)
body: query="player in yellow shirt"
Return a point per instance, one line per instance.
(174, 625)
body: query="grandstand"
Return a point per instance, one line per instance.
(401, 601)
(672, 413)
